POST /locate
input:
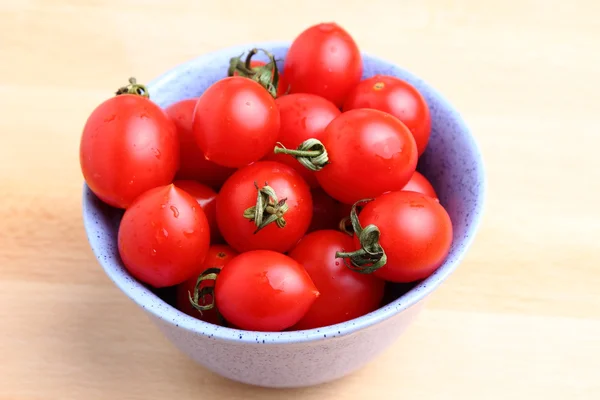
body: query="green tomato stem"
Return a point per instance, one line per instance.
(371, 256)
(266, 75)
(311, 153)
(268, 208)
(134, 88)
(198, 298)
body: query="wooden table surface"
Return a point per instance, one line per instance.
(520, 319)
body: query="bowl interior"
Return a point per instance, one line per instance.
(452, 163)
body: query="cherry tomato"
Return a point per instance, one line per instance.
(236, 122)
(163, 237)
(370, 153)
(418, 183)
(343, 294)
(326, 214)
(303, 116)
(192, 164)
(207, 198)
(263, 290)
(397, 97)
(239, 193)
(128, 146)
(323, 60)
(416, 234)
(218, 255)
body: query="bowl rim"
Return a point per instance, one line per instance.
(140, 294)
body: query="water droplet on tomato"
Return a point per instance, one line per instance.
(131, 182)
(163, 205)
(248, 103)
(188, 232)
(337, 263)
(175, 211)
(110, 118)
(165, 232)
(153, 252)
(156, 152)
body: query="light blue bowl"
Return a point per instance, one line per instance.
(452, 163)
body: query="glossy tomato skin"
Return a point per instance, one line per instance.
(343, 293)
(416, 234)
(370, 153)
(303, 116)
(326, 214)
(235, 122)
(323, 60)
(397, 97)
(217, 256)
(263, 290)
(239, 193)
(163, 237)
(128, 146)
(192, 164)
(418, 183)
(207, 199)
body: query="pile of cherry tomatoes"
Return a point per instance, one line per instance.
(274, 200)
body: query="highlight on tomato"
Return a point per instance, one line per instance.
(128, 146)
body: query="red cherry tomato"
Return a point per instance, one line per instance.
(344, 294)
(303, 116)
(236, 122)
(128, 146)
(370, 153)
(192, 163)
(326, 214)
(218, 255)
(207, 198)
(397, 97)
(239, 193)
(418, 183)
(416, 234)
(263, 290)
(163, 237)
(323, 60)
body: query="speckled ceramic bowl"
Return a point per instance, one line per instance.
(454, 166)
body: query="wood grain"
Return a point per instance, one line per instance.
(520, 319)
